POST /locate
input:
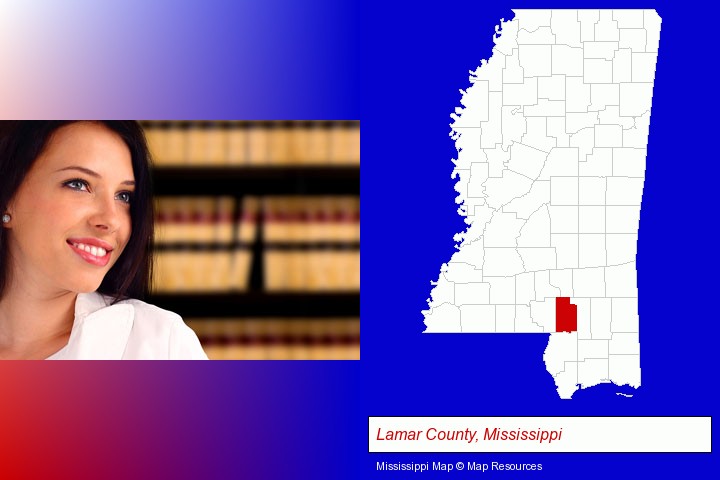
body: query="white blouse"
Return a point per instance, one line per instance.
(128, 330)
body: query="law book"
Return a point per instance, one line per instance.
(353, 145)
(345, 143)
(237, 144)
(155, 135)
(258, 143)
(206, 143)
(318, 143)
(224, 221)
(280, 137)
(175, 143)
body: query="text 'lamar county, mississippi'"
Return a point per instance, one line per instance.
(470, 436)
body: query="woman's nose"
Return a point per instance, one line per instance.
(106, 214)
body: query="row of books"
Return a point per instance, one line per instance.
(302, 244)
(282, 219)
(244, 143)
(279, 339)
(310, 270)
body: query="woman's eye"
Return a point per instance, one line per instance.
(125, 197)
(80, 185)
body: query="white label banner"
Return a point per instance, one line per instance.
(540, 434)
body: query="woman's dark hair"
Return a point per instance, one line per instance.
(21, 142)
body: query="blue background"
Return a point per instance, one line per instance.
(397, 68)
(408, 223)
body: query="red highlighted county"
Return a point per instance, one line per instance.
(565, 315)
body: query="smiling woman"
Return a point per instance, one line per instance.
(75, 262)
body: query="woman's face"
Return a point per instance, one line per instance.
(71, 215)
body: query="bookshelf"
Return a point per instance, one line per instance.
(258, 224)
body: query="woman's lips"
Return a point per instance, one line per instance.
(91, 253)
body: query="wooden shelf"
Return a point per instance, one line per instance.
(273, 246)
(253, 180)
(259, 304)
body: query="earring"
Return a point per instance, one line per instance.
(6, 218)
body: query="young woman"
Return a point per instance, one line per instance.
(75, 246)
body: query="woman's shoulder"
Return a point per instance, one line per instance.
(145, 314)
(152, 313)
(156, 329)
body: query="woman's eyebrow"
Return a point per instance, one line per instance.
(92, 173)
